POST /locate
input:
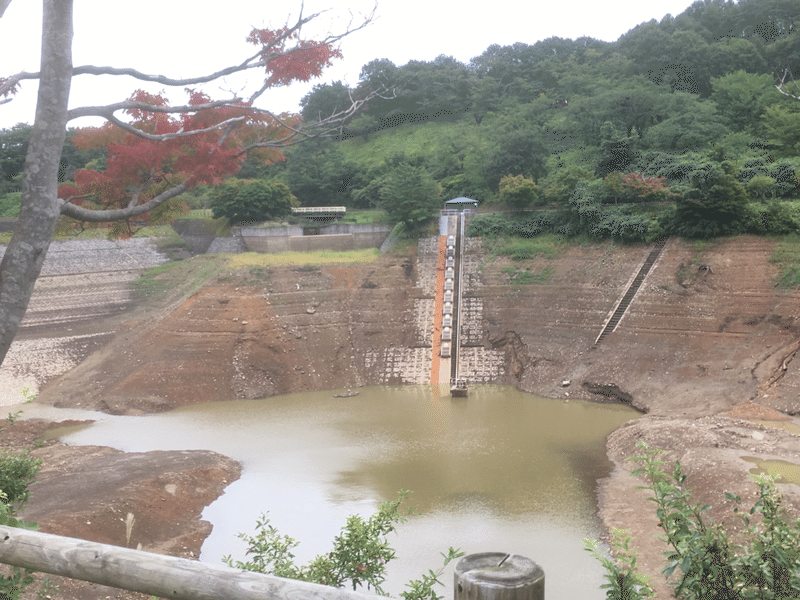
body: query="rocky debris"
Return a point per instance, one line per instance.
(516, 351)
(611, 391)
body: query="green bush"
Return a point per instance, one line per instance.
(787, 256)
(773, 217)
(526, 225)
(708, 565)
(358, 558)
(17, 472)
(10, 204)
(243, 201)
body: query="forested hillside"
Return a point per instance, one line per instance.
(688, 126)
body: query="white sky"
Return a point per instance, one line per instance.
(177, 39)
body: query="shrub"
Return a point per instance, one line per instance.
(243, 201)
(17, 472)
(10, 204)
(518, 191)
(709, 565)
(359, 555)
(787, 257)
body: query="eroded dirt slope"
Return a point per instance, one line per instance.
(252, 335)
(692, 342)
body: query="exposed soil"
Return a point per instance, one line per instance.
(705, 354)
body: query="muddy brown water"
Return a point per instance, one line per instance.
(499, 471)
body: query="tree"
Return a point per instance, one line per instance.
(692, 125)
(518, 192)
(226, 130)
(560, 185)
(13, 147)
(783, 127)
(635, 187)
(325, 100)
(742, 97)
(409, 194)
(519, 151)
(714, 205)
(761, 185)
(256, 201)
(317, 173)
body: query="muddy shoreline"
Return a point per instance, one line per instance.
(707, 357)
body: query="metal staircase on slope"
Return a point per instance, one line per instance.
(623, 305)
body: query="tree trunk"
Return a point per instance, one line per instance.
(40, 205)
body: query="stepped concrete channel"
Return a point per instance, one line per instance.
(81, 282)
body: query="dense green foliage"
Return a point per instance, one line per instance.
(682, 113)
(359, 555)
(705, 562)
(242, 201)
(17, 472)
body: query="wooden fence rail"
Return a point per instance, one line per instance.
(156, 574)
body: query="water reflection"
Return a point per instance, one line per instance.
(498, 471)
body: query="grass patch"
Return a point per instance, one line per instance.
(366, 216)
(182, 276)
(525, 276)
(548, 245)
(787, 256)
(199, 213)
(282, 259)
(154, 281)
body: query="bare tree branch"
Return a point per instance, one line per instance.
(332, 125)
(110, 109)
(262, 58)
(781, 86)
(163, 137)
(103, 216)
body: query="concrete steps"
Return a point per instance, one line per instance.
(633, 288)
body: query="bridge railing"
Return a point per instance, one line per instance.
(306, 210)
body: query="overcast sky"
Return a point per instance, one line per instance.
(177, 38)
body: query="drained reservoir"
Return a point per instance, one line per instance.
(499, 471)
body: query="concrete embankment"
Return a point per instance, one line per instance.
(82, 284)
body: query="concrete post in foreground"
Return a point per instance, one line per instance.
(498, 576)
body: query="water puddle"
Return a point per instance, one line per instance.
(783, 471)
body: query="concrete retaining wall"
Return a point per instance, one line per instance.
(311, 243)
(288, 231)
(338, 237)
(362, 228)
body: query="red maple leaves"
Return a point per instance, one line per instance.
(635, 187)
(137, 168)
(194, 146)
(305, 60)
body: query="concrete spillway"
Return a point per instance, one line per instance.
(447, 303)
